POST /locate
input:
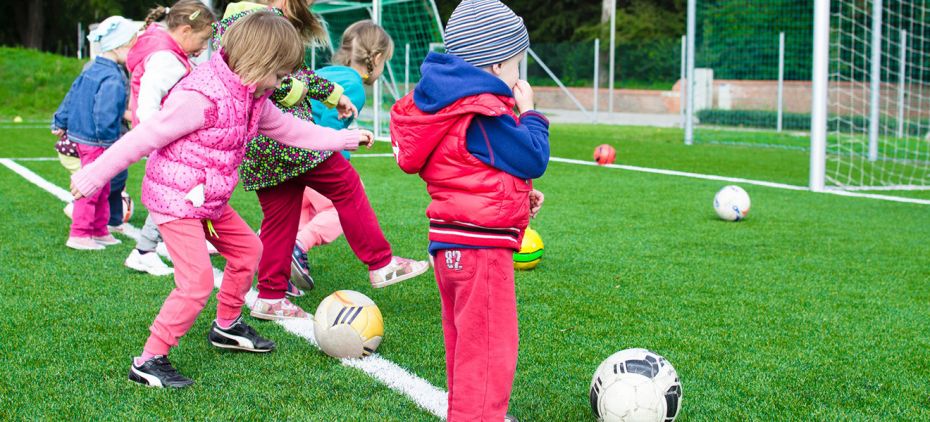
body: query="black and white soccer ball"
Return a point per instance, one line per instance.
(635, 385)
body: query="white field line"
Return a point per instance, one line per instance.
(420, 391)
(744, 181)
(834, 191)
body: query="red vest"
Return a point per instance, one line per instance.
(472, 202)
(153, 40)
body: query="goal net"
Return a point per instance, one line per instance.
(879, 95)
(414, 27)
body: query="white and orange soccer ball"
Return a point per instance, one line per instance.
(732, 203)
(348, 324)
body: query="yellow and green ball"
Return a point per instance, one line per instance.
(531, 251)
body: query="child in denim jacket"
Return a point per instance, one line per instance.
(90, 116)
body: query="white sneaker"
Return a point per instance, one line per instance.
(107, 240)
(399, 269)
(162, 250)
(148, 263)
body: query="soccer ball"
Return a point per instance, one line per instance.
(127, 207)
(348, 324)
(635, 385)
(604, 154)
(531, 251)
(731, 203)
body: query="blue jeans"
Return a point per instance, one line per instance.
(116, 198)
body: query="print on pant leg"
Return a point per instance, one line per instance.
(456, 266)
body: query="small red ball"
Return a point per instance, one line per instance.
(604, 154)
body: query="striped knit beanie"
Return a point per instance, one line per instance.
(485, 32)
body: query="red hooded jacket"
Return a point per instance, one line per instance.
(472, 202)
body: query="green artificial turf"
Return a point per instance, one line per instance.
(815, 307)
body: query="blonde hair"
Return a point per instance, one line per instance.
(310, 26)
(361, 43)
(184, 12)
(261, 44)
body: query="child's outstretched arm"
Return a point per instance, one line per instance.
(183, 113)
(305, 83)
(292, 131)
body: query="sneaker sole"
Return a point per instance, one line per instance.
(302, 281)
(244, 349)
(143, 378)
(272, 317)
(85, 248)
(143, 269)
(396, 280)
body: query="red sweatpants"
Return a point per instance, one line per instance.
(479, 323)
(193, 274)
(335, 179)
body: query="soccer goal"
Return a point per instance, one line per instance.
(872, 122)
(414, 26)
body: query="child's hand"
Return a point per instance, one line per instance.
(366, 138)
(58, 132)
(75, 192)
(346, 108)
(536, 201)
(523, 94)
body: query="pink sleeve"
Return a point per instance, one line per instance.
(182, 113)
(292, 131)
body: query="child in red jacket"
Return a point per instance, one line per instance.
(457, 129)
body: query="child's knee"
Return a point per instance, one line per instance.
(251, 253)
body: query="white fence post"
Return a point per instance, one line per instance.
(781, 78)
(407, 69)
(689, 109)
(681, 77)
(820, 79)
(876, 79)
(902, 79)
(597, 47)
(376, 18)
(612, 56)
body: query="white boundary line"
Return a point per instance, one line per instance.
(420, 391)
(838, 192)
(745, 181)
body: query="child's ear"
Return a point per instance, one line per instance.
(496, 69)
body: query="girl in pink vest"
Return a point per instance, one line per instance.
(195, 145)
(159, 59)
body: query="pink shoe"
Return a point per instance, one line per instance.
(277, 311)
(83, 244)
(107, 240)
(399, 269)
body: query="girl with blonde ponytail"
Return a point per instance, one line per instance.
(279, 174)
(157, 62)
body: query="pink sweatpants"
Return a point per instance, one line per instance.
(193, 274)
(479, 323)
(91, 213)
(319, 221)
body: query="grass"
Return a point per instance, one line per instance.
(32, 84)
(812, 308)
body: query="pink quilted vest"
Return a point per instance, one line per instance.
(153, 40)
(209, 156)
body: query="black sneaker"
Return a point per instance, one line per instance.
(158, 372)
(300, 269)
(240, 336)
